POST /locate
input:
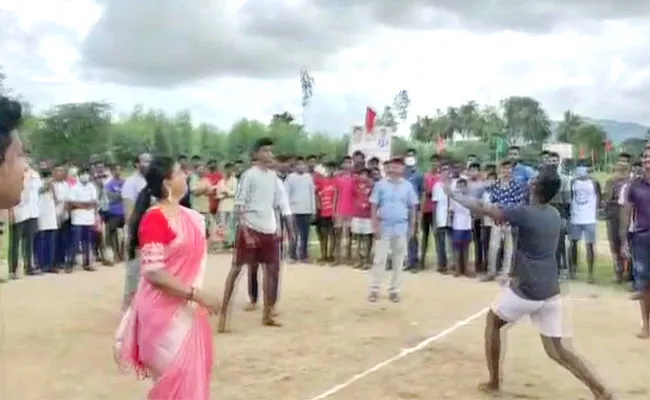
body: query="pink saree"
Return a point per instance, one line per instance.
(162, 337)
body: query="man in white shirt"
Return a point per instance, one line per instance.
(25, 225)
(585, 198)
(62, 194)
(132, 187)
(461, 232)
(443, 230)
(48, 224)
(260, 192)
(83, 214)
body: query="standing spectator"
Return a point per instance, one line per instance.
(506, 193)
(361, 225)
(520, 172)
(562, 202)
(23, 229)
(488, 223)
(226, 190)
(415, 177)
(115, 211)
(475, 188)
(83, 205)
(64, 233)
(326, 204)
(300, 190)
(200, 190)
(461, 226)
(214, 176)
(132, 187)
(613, 188)
(585, 198)
(427, 207)
(637, 205)
(442, 213)
(393, 212)
(344, 210)
(45, 243)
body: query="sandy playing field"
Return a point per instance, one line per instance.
(59, 329)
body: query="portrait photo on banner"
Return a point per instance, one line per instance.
(373, 144)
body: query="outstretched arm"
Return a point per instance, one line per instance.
(477, 207)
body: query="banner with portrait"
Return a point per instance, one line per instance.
(373, 144)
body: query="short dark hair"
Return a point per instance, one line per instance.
(182, 157)
(358, 153)
(346, 158)
(547, 184)
(475, 165)
(196, 157)
(11, 116)
(331, 164)
(262, 142)
(514, 148)
(506, 163)
(228, 165)
(624, 154)
(553, 154)
(545, 153)
(84, 170)
(492, 174)
(435, 157)
(397, 160)
(311, 157)
(411, 150)
(374, 160)
(472, 156)
(461, 181)
(300, 159)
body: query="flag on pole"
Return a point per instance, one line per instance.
(371, 115)
(440, 144)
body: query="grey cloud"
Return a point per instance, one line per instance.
(167, 42)
(522, 15)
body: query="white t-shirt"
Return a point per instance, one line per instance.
(28, 206)
(621, 201)
(487, 221)
(441, 199)
(132, 187)
(47, 217)
(62, 190)
(462, 220)
(84, 194)
(584, 202)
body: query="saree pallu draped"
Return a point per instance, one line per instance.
(162, 337)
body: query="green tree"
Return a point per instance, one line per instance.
(525, 120)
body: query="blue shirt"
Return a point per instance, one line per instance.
(416, 179)
(523, 173)
(394, 200)
(513, 194)
(114, 186)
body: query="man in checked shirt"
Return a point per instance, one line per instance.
(506, 193)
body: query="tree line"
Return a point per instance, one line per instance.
(73, 131)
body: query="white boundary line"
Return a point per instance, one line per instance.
(400, 355)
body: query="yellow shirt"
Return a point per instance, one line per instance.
(201, 203)
(226, 190)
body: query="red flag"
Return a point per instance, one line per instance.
(440, 144)
(370, 119)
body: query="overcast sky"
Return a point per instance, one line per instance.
(227, 59)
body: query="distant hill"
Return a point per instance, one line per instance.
(617, 131)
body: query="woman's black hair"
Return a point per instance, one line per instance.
(161, 168)
(11, 114)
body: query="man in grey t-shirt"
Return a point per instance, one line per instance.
(534, 289)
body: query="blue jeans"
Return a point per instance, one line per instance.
(44, 248)
(82, 236)
(442, 235)
(63, 236)
(302, 237)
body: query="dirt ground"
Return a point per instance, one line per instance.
(58, 333)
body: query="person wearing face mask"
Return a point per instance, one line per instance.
(416, 179)
(83, 204)
(585, 198)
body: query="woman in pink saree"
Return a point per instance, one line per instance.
(165, 334)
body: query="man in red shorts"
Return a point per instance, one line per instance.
(259, 194)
